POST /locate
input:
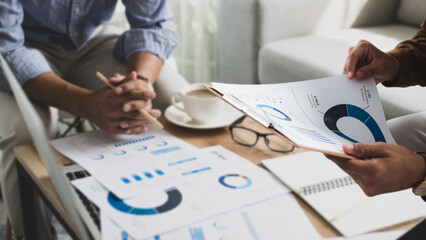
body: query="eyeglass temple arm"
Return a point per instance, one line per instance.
(239, 120)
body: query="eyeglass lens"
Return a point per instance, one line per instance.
(250, 137)
(244, 136)
(276, 143)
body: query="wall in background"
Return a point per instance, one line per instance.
(196, 25)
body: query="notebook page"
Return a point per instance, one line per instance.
(347, 208)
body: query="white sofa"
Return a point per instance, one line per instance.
(269, 41)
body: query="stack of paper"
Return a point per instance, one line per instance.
(153, 183)
(129, 165)
(277, 218)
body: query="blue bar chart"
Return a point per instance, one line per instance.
(143, 176)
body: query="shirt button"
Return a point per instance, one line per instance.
(77, 10)
(75, 34)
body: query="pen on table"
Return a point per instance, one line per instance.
(140, 110)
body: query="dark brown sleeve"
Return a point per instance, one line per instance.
(411, 56)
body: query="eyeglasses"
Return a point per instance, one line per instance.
(249, 137)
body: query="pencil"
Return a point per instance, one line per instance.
(140, 110)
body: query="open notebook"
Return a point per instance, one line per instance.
(338, 199)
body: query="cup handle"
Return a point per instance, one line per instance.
(174, 97)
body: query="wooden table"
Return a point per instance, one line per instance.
(34, 178)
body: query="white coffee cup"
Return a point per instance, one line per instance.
(198, 102)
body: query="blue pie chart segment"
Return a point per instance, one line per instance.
(279, 114)
(120, 153)
(98, 157)
(246, 185)
(174, 198)
(347, 110)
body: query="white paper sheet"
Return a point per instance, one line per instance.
(232, 185)
(345, 206)
(318, 114)
(130, 165)
(277, 218)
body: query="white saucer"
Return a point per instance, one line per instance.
(180, 118)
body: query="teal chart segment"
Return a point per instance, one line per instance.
(246, 185)
(174, 198)
(347, 110)
(279, 114)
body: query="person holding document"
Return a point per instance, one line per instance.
(382, 167)
(55, 48)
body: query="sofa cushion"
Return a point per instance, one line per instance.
(402, 101)
(314, 56)
(412, 12)
(280, 19)
(318, 56)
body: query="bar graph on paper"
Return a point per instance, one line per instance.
(129, 164)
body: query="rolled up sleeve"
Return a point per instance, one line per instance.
(151, 30)
(25, 63)
(411, 56)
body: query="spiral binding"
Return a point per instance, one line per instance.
(326, 186)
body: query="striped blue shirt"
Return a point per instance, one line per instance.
(70, 23)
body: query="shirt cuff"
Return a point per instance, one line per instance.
(25, 64)
(409, 67)
(394, 82)
(160, 42)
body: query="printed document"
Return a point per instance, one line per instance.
(277, 218)
(318, 114)
(232, 185)
(130, 165)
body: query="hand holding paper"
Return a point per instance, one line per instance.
(311, 114)
(339, 200)
(375, 162)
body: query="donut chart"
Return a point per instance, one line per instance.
(141, 148)
(120, 153)
(246, 185)
(280, 115)
(347, 110)
(174, 198)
